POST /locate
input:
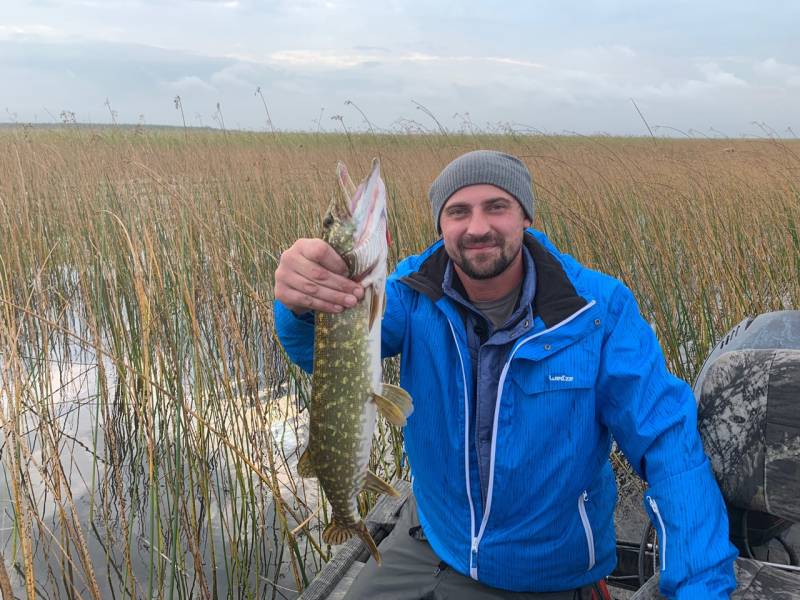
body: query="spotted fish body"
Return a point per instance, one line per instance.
(346, 383)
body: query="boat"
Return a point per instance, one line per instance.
(748, 395)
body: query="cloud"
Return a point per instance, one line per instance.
(514, 62)
(580, 88)
(221, 3)
(28, 31)
(318, 59)
(117, 4)
(778, 72)
(337, 60)
(239, 74)
(190, 83)
(716, 76)
(580, 85)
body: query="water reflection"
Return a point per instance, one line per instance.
(124, 501)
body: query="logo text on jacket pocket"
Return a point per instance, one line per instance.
(560, 377)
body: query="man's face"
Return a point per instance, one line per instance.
(482, 226)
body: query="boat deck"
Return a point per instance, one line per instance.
(756, 581)
(335, 579)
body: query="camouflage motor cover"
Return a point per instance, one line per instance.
(754, 581)
(748, 396)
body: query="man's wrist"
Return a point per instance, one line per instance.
(297, 311)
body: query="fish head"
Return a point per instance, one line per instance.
(338, 228)
(355, 223)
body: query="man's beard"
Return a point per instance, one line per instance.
(483, 270)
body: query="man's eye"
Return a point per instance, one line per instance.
(456, 212)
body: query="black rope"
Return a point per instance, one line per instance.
(791, 552)
(746, 537)
(642, 553)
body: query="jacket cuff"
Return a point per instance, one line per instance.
(690, 518)
(701, 591)
(284, 315)
(296, 334)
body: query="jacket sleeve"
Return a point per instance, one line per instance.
(653, 417)
(296, 333)
(395, 318)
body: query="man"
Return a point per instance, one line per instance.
(521, 363)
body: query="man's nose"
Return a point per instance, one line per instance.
(478, 224)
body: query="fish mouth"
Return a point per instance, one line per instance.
(356, 222)
(365, 204)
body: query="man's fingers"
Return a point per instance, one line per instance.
(321, 253)
(312, 276)
(317, 296)
(318, 263)
(300, 303)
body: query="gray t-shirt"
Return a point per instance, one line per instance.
(498, 311)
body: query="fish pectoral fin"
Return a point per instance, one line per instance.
(378, 485)
(335, 534)
(394, 403)
(304, 466)
(376, 303)
(390, 411)
(398, 396)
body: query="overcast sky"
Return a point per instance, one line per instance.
(702, 67)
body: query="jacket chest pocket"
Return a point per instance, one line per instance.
(548, 415)
(569, 370)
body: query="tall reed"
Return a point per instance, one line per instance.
(150, 420)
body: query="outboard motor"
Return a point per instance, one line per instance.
(748, 413)
(748, 395)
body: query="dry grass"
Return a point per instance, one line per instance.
(149, 256)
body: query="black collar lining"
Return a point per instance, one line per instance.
(555, 298)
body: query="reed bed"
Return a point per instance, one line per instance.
(150, 421)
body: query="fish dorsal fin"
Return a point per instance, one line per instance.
(394, 403)
(304, 466)
(378, 485)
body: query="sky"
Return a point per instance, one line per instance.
(694, 68)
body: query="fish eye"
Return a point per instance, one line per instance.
(328, 220)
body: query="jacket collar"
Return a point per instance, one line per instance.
(555, 298)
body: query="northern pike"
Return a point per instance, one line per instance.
(346, 388)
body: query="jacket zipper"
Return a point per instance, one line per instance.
(663, 546)
(473, 555)
(587, 527)
(476, 539)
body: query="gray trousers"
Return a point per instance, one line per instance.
(412, 571)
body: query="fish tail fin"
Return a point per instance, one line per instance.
(363, 533)
(335, 534)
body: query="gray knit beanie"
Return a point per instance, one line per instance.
(483, 166)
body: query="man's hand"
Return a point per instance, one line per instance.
(312, 276)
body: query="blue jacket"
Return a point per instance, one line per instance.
(488, 347)
(587, 367)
